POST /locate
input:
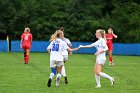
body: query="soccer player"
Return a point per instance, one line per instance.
(67, 41)
(55, 49)
(101, 46)
(109, 37)
(65, 54)
(26, 43)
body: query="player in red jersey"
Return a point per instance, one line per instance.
(26, 43)
(109, 37)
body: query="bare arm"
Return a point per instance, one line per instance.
(21, 41)
(49, 51)
(87, 46)
(115, 36)
(74, 49)
(70, 45)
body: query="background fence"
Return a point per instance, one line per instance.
(40, 46)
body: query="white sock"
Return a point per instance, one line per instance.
(97, 78)
(63, 72)
(105, 75)
(51, 75)
(58, 75)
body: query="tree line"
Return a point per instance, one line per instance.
(80, 18)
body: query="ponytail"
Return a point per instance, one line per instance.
(103, 33)
(56, 35)
(53, 37)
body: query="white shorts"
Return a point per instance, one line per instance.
(65, 57)
(102, 62)
(54, 63)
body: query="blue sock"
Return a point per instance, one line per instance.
(54, 70)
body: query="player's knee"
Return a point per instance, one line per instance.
(54, 71)
(97, 72)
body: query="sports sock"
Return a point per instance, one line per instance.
(97, 78)
(51, 75)
(27, 58)
(58, 75)
(54, 71)
(105, 75)
(110, 58)
(63, 72)
(24, 54)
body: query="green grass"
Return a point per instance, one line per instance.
(16, 77)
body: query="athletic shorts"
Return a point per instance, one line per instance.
(65, 57)
(54, 63)
(25, 46)
(110, 46)
(102, 62)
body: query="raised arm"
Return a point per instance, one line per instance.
(115, 36)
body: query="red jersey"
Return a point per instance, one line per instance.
(27, 38)
(109, 38)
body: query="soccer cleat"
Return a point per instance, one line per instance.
(57, 81)
(98, 86)
(113, 64)
(66, 80)
(112, 81)
(110, 63)
(49, 82)
(26, 62)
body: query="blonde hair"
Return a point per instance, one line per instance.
(27, 29)
(102, 33)
(56, 35)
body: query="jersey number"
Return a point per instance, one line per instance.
(26, 37)
(55, 47)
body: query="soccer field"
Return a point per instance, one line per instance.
(16, 77)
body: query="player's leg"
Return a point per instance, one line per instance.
(59, 69)
(27, 55)
(110, 48)
(97, 78)
(98, 72)
(63, 72)
(24, 55)
(53, 72)
(110, 57)
(24, 49)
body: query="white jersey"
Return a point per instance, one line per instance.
(67, 41)
(57, 47)
(100, 45)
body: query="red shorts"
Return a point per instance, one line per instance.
(110, 46)
(26, 46)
